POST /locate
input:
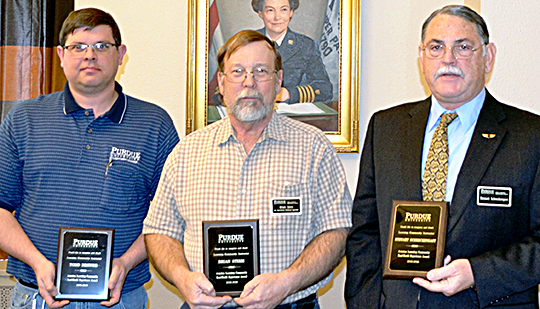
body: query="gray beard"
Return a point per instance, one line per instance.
(249, 112)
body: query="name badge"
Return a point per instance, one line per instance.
(286, 206)
(494, 196)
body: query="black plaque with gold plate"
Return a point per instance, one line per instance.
(231, 254)
(416, 239)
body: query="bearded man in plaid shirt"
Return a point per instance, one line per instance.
(236, 169)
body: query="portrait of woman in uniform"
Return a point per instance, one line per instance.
(309, 35)
(304, 75)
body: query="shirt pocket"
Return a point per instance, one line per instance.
(124, 189)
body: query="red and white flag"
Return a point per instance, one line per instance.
(215, 41)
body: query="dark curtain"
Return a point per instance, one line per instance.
(29, 65)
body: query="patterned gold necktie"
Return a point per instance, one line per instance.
(434, 182)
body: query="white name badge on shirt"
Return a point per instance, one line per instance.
(494, 196)
(286, 206)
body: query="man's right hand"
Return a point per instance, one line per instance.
(199, 293)
(16, 243)
(45, 274)
(167, 256)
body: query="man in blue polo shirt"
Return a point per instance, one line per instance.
(89, 157)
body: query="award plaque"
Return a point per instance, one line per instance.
(416, 239)
(231, 254)
(84, 263)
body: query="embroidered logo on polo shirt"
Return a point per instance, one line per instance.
(118, 154)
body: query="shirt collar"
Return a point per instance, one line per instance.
(467, 113)
(281, 38)
(273, 130)
(115, 114)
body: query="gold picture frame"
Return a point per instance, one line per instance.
(345, 138)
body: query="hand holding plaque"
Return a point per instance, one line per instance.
(84, 263)
(231, 254)
(416, 239)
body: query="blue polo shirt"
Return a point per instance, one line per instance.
(61, 167)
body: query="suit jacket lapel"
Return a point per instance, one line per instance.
(411, 148)
(479, 155)
(288, 47)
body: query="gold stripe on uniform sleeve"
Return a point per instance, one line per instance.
(300, 93)
(306, 94)
(312, 93)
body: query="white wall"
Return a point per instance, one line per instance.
(155, 33)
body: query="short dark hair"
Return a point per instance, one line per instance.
(244, 38)
(465, 13)
(258, 5)
(88, 18)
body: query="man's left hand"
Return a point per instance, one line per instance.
(116, 282)
(265, 291)
(450, 279)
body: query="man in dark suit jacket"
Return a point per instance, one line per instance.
(493, 252)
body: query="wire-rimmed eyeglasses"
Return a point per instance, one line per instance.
(238, 75)
(81, 48)
(461, 51)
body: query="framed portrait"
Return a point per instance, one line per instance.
(329, 30)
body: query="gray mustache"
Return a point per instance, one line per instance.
(250, 94)
(449, 70)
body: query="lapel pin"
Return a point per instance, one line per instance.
(290, 42)
(489, 135)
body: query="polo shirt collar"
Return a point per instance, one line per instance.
(115, 114)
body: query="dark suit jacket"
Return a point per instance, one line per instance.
(304, 74)
(501, 243)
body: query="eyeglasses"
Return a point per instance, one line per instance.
(81, 48)
(240, 74)
(462, 51)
